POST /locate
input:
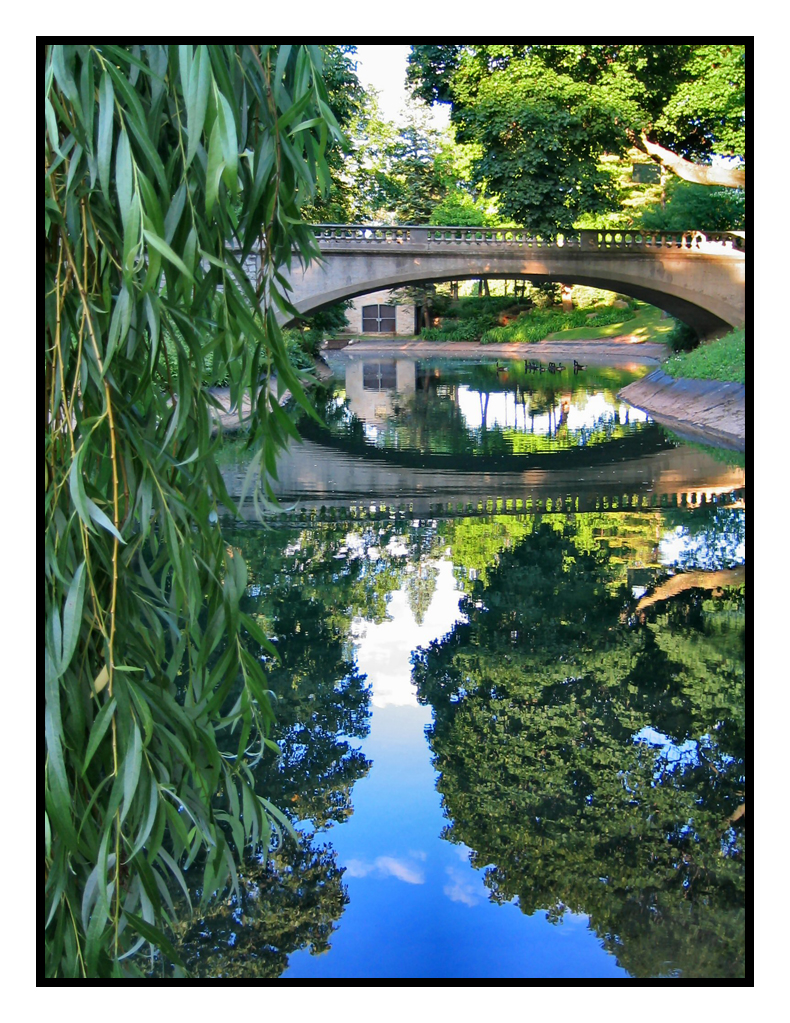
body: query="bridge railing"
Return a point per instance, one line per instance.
(382, 235)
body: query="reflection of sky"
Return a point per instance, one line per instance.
(501, 409)
(720, 550)
(383, 654)
(417, 907)
(504, 410)
(671, 753)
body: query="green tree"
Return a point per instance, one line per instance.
(346, 99)
(463, 203)
(545, 114)
(697, 207)
(396, 172)
(409, 171)
(166, 169)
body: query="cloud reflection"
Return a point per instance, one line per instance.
(461, 889)
(386, 866)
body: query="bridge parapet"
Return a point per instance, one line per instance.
(370, 236)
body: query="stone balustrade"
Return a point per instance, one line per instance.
(384, 236)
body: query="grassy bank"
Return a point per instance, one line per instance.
(645, 325)
(722, 359)
(476, 320)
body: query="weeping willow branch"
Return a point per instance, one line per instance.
(159, 162)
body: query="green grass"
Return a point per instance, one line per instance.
(722, 359)
(647, 325)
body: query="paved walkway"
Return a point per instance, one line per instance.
(618, 350)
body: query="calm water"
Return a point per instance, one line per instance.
(510, 614)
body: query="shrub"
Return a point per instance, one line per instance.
(682, 337)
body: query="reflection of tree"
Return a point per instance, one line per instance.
(627, 538)
(306, 587)
(288, 902)
(431, 421)
(420, 588)
(596, 765)
(322, 701)
(331, 563)
(714, 536)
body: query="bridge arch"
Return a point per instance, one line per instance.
(699, 278)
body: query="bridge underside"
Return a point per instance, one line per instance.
(706, 292)
(668, 477)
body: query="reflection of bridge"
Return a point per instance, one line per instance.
(322, 480)
(698, 277)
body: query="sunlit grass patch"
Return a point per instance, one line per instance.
(721, 359)
(646, 325)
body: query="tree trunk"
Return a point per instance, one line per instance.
(698, 174)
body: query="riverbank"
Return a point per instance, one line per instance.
(702, 411)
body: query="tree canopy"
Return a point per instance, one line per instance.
(544, 114)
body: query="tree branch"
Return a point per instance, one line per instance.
(690, 580)
(699, 174)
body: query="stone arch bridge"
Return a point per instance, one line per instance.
(698, 277)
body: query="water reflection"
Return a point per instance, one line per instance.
(594, 760)
(509, 616)
(433, 439)
(290, 900)
(481, 410)
(588, 748)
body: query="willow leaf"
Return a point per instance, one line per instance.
(200, 81)
(230, 151)
(104, 146)
(215, 167)
(99, 728)
(101, 519)
(131, 770)
(161, 246)
(72, 616)
(123, 176)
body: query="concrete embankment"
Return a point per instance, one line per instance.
(703, 411)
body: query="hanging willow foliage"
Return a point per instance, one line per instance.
(168, 168)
